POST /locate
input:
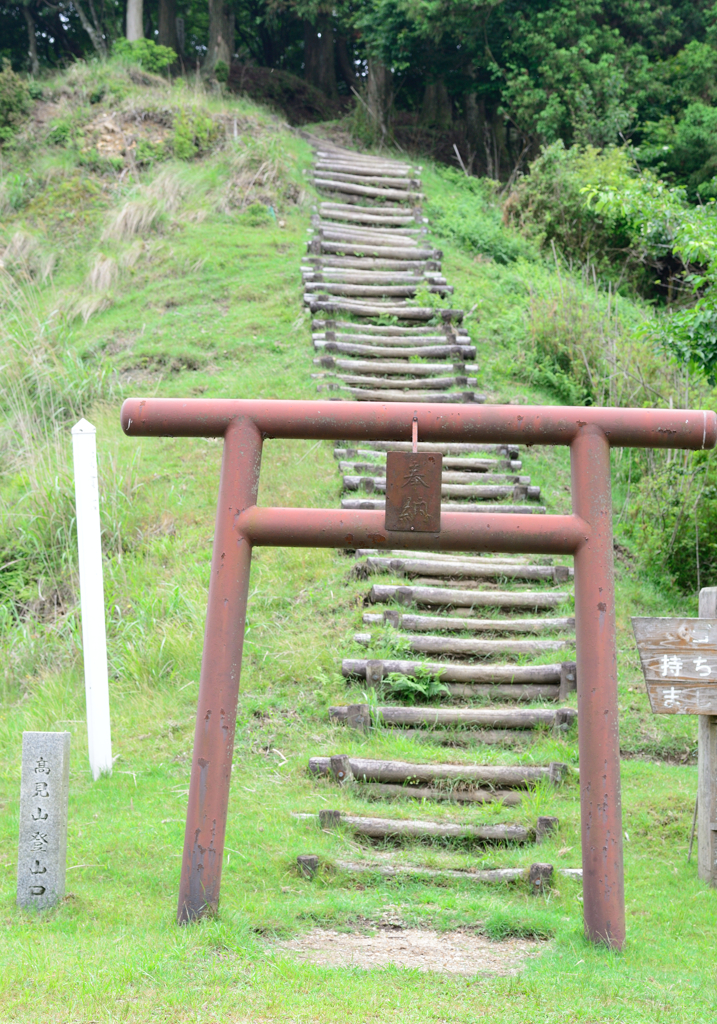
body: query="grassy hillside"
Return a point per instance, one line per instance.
(176, 273)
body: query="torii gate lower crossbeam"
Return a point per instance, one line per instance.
(586, 534)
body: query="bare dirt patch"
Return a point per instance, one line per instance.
(459, 952)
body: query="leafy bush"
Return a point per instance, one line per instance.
(15, 101)
(221, 72)
(145, 52)
(469, 217)
(194, 134)
(549, 206)
(61, 132)
(673, 518)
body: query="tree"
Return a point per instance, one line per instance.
(31, 38)
(319, 61)
(135, 20)
(167, 24)
(221, 34)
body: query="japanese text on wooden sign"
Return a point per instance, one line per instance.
(413, 491)
(679, 662)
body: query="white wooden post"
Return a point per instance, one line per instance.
(707, 771)
(92, 598)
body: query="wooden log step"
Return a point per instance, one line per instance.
(332, 185)
(364, 769)
(375, 309)
(435, 622)
(405, 291)
(374, 179)
(477, 718)
(475, 465)
(342, 275)
(394, 252)
(350, 238)
(468, 737)
(406, 828)
(456, 672)
(390, 791)
(396, 167)
(462, 352)
(470, 570)
(481, 648)
(367, 468)
(384, 382)
(388, 210)
(385, 366)
(494, 491)
(329, 262)
(461, 341)
(392, 329)
(538, 876)
(356, 216)
(456, 448)
(443, 556)
(361, 171)
(436, 397)
(383, 593)
(486, 508)
(380, 236)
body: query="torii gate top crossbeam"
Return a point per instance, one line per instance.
(374, 421)
(587, 534)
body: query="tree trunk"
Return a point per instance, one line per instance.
(31, 41)
(345, 62)
(135, 20)
(92, 28)
(319, 67)
(167, 24)
(380, 96)
(437, 110)
(221, 35)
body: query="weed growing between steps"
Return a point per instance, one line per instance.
(205, 299)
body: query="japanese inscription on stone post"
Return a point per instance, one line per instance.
(413, 491)
(679, 662)
(43, 818)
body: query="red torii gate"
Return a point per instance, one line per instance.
(586, 534)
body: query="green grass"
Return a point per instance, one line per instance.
(207, 302)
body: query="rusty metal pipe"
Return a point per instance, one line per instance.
(587, 533)
(598, 737)
(365, 421)
(460, 531)
(219, 678)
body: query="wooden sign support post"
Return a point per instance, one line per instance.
(679, 662)
(707, 771)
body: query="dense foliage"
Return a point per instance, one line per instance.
(496, 79)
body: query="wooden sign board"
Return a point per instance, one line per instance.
(679, 662)
(413, 491)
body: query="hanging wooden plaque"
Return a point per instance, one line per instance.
(679, 662)
(413, 491)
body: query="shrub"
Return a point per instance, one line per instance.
(15, 101)
(673, 518)
(549, 206)
(145, 52)
(469, 217)
(221, 72)
(194, 134)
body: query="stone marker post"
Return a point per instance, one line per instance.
(707, 771)
(44, 788)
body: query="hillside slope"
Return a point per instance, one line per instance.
(182, 278)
